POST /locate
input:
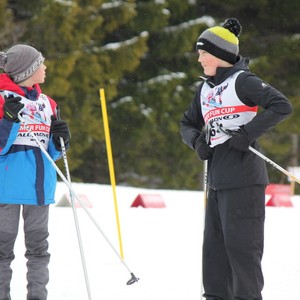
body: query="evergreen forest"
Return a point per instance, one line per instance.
(142, 53)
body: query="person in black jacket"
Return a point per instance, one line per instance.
(220, 124)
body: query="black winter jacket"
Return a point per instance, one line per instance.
(229, 168)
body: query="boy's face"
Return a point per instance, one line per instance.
(40, 75)
(208, 62)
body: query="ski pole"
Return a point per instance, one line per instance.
(268, 160)
(80, 244)
(205, 192)
(133, 278)
(271, 162)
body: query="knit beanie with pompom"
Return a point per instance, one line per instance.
(222, 41)
(20, 62)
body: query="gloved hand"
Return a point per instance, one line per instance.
(12, 107)
(239, 140)
(203, 150)
(59, 129)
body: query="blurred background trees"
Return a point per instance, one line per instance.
(143, 54)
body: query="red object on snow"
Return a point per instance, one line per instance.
(280, 195)
(66, 201)
(149, 201)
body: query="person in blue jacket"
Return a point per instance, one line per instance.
(220, 124)
(27, 178)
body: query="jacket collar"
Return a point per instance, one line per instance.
(29, 92)
(223, 73)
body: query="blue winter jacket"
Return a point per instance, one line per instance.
(26, 175)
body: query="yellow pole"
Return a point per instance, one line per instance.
(110, 164)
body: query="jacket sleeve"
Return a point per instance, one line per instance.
(1, 107)
(255, 92)
(192, 121)
(8, 134)
(54, 154)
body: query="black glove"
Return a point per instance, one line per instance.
(203, 150)
(12, 107)
(59, 129)
(239, 140)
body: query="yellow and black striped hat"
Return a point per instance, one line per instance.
(222, 41)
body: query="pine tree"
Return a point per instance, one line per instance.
(83, 54)
(143, 54)
(10, 31)
(270, 37)
(149, 150)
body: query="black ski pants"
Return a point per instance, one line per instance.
(233, 243)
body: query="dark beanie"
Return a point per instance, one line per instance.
(222, 41)
(20, 62)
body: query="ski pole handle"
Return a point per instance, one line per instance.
(64, 151)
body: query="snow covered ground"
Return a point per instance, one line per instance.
(162, 246)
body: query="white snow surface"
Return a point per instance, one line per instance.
(161, 246)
